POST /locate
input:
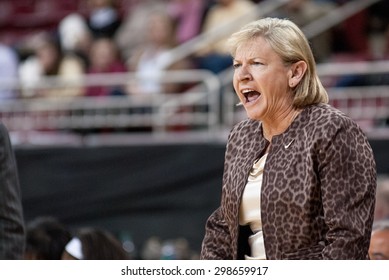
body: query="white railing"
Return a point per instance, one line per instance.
(160, 112)
(198, 109)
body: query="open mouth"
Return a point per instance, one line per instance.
(251, 95)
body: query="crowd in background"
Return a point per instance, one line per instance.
(48, 238)
(108, 36)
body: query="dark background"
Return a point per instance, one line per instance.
(138, 191)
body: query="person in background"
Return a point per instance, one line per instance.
(49, 61)
(215, 56)
(299, 176)
(104, 58)
(9, 62)
(188, 17)
(132, 34)
(75, 36)
(103, 18)
(379, 243)
(91, 243)
(152, 58)
(46, 238)
(12, 230)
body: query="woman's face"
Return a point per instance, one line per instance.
(261, 80)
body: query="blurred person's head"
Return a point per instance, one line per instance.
(379, 242)
(94, 244)
(46, 238)
(74, 33)
(152, 249)
(104, 18)
(49, 53)
(161, 29)
(103, 53)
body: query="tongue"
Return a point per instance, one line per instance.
(252, 96)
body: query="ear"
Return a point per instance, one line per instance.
(297, 71)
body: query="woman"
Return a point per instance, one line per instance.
(299, 177)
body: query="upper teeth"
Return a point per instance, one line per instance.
(247, 90)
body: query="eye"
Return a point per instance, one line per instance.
(236, 65)
(257, 63)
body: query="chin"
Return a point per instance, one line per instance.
(253, 116)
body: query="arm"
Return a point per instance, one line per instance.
(348, 176)
(217, 241)
(11, 213)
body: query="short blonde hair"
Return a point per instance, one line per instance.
(289, 42)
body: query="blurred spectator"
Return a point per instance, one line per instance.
(152, 249)
(9, 62)
(104, 58)
(170, 249)
(48, 60)
(379, 243)
(103, 18)
(132, 33)
(94, 244)
(378, 27)
(382, 199)
(215, 56)
(150, 59)
(188, 16)
(46, 238)
(75, 36)
(302, 12)
(176, 249)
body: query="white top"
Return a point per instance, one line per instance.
(250, 209)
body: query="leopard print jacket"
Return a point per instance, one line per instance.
(318, 192)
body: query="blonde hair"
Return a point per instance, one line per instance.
(289, 42)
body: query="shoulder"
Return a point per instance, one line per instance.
(327, 126)
(324, 117)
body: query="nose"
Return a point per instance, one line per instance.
(243, 73)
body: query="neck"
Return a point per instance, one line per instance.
(279, 125)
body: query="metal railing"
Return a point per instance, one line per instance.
(159, 112)
(198, 109)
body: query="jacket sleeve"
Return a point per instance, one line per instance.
(11, 215)
(348, 176)
(217, 241)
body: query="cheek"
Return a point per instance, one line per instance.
(235, 84)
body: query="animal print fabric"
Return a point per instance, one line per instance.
(318, 189)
